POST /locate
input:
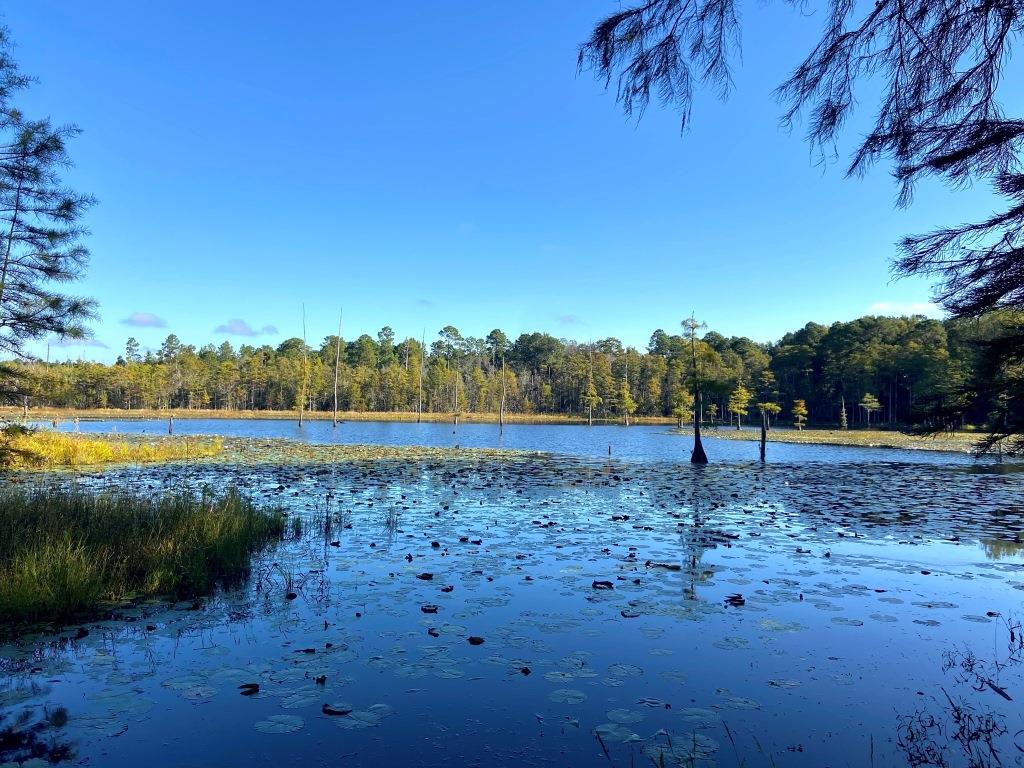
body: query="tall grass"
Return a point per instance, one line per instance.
(63, 551)
(42, 448)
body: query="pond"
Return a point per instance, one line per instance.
(635, 443)
(833, 607)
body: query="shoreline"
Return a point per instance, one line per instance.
(13, 413)
(959, 442)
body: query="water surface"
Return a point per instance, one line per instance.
(828, 608)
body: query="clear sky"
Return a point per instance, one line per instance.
(424, 164)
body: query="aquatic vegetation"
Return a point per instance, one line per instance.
(731, 578)
(20, 447)
(63, 550)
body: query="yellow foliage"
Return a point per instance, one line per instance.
(55, 449)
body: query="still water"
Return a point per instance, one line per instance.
(836, 607)
(635, 443)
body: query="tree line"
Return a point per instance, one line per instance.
(873, 370)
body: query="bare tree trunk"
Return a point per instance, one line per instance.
(455, 383)
(501, 409)
(337, 363)
(764, 431)
(423, 355)
(697, 456)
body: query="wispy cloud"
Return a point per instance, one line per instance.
(238, 327)
(569, 320)
(926, 308)
(424, 303)
(63, 341)
(144, 320)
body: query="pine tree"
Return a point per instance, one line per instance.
(41, 223)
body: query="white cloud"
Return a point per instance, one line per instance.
(238, 327)
(144, 320)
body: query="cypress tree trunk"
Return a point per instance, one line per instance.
(501, 409)
(697, 456)
(764, 431)
(337, 363)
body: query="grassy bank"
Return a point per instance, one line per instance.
(42, 448)
(962, 442)
(64, 551)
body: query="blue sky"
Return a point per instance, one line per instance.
(423, 164)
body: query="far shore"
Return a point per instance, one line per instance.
(13, 413)
(957, 442)
(961, 442)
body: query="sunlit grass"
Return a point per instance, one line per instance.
(866, 438)
(68, 414)
(63, 551)
(42, 448)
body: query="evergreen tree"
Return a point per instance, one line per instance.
(40, 218)
(131, 351)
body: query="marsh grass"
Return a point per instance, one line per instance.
(959, 442)
(64, 551)
(20, 447)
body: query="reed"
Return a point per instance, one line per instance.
(20, 447)
(63, 551)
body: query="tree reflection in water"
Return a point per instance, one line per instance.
(963, 726)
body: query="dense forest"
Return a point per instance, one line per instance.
(880, 369)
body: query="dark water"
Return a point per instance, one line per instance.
(858, 609)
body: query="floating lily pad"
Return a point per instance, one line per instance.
(567, 696)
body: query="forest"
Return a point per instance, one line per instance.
(873, 370)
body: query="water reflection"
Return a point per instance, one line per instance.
(959, 727)
(1000, 549)
(627, 611)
